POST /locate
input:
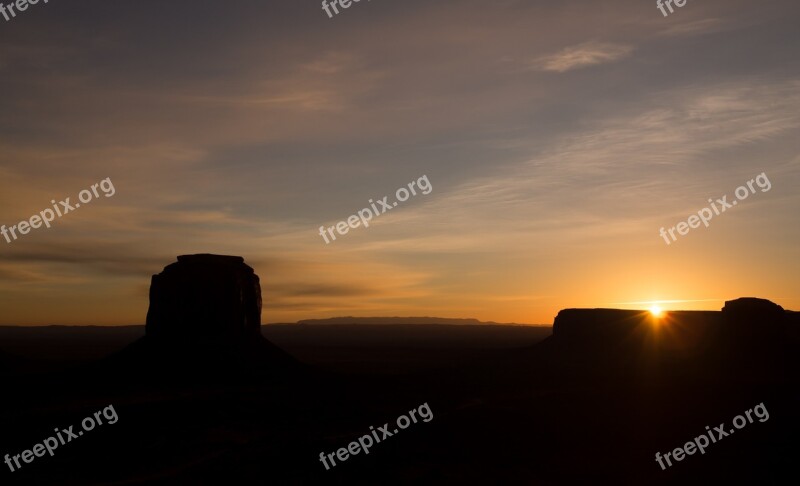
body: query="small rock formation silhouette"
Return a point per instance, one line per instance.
(753, 307)
(750, 317)
(205, 316)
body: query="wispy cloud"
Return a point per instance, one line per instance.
(582, 55)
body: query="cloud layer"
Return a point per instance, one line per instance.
(558, 138)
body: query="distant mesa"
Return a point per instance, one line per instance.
(596, 323)
(746, 317)
(205, 314)
(748, 339)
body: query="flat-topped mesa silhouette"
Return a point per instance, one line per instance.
(597, 323)
(205, 316)
(746, 317)
(745, 311)
(205, 297)
(748, 339)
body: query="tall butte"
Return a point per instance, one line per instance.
(205, 297)
(205, 316)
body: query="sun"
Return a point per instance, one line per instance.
(656, 311)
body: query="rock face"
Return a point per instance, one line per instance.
(205, 297)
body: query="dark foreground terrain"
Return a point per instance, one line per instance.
(591, 404)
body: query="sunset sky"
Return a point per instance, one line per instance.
(559, 137)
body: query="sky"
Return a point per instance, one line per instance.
(558, 139)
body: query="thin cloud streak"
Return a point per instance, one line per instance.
(583, 55)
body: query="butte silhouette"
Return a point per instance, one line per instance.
(205, 319)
